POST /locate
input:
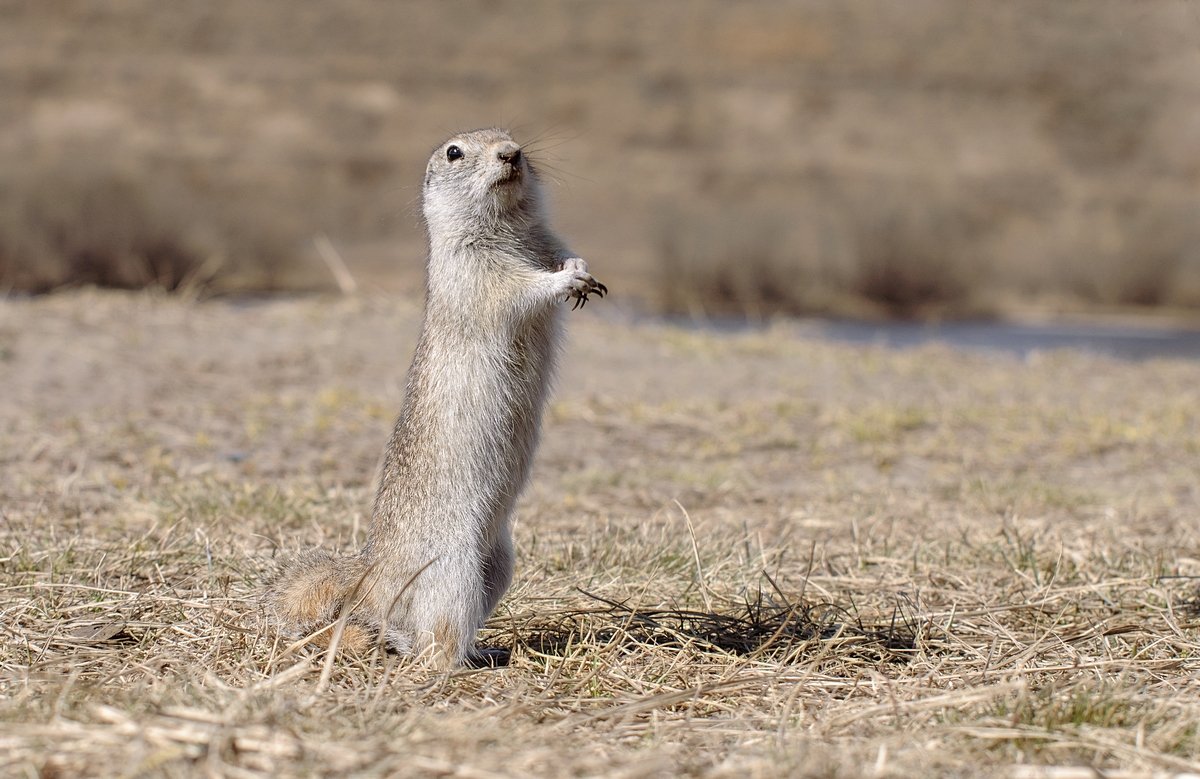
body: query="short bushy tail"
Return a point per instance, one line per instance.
(310, 593)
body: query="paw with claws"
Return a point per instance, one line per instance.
(581, 283)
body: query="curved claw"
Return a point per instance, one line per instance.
(583, 287)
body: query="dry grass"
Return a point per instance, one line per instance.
(1023, 533)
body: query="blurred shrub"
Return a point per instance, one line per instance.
(908, 250)
(873, 251)
(83, 216)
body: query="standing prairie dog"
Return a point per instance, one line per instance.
(439, 554)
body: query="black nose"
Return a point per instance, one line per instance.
(511, 156)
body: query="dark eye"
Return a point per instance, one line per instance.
(453, 153)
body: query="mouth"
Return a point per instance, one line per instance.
(508, 174)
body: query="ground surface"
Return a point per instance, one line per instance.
(1032, 522)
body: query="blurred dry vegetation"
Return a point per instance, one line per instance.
(871, 158)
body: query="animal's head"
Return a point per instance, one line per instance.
(477, 177)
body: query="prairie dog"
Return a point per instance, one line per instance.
(439, 554)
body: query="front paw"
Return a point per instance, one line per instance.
(580, 283)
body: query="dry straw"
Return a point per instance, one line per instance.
(891, 563)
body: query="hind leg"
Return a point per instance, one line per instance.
(445, 611)
(497, 573)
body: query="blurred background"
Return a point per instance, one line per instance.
(863, 158)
